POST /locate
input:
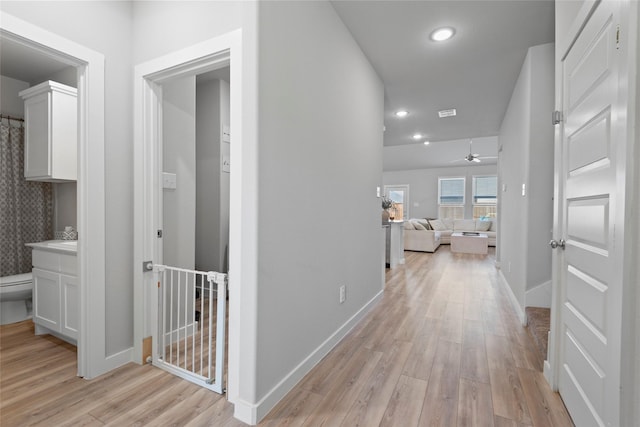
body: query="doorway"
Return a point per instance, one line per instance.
(399, 194)
(150, 77)
(89, 66)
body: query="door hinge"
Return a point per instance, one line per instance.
(159, 234)
(556, 117)
(618, 37)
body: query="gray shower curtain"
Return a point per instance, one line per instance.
(26, 207)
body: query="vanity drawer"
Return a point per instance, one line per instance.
(53, 261)
(45, 260)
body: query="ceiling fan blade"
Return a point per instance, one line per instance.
(476, 159)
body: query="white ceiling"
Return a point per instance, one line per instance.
(474, 72)
(26, 64)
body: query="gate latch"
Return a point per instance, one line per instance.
(147, 266)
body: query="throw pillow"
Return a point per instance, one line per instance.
(483, 225)
(408, 225)
(419, 226)
(464, 225)
(424, 223)
(437, 225)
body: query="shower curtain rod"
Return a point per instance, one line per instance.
(4, 116)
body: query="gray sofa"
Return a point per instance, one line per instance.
(427, 235)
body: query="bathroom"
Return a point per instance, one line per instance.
(41, 209)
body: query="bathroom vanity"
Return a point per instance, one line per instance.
(55, 289)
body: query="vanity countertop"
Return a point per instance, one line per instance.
(64, 246)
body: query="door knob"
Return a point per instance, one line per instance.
(554, 244)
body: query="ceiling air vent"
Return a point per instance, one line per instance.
(447, 113)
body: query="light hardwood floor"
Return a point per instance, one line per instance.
(443, 348)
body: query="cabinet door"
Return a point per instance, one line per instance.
(37, 153)
(46, 299)
(69, 307)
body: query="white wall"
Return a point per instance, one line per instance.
(94, 24)
(208, 176)
(10, 103)
(526, 159)
(167, 26)
(179, 157)
(212, 187)
(423, 186)
(320, 144)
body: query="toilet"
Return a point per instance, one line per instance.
(15, 298)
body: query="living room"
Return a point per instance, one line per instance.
(438, 179)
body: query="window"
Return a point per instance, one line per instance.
(400, 196)
(451, 198)
(485, 196)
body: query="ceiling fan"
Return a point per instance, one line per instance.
(474, 157)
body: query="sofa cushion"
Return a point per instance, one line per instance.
(448, 223)
(419, 226)
(408, 225)
(464, 225)
(437, 225)
(483, 225)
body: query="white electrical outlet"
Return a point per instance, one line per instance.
(343, 293)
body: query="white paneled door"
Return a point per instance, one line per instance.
(591, 178)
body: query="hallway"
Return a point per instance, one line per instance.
(443, 348)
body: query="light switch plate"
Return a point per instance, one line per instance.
(169, 180)
(226, 133)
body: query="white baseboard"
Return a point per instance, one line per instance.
(546, 370)
(514, 301)
(252, 413)
(118, 359)
(539, 296)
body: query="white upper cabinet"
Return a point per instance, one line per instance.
(51, 125)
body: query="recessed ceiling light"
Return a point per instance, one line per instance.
(417, 136)
(442, 34)
(401, 113)
(426, 143)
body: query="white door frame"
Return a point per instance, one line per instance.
(211, 54)
(92, 358)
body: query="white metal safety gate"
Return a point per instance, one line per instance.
(189, 341)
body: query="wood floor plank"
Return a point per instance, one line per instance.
(423, 352)
(546, 407)
(440, 406)
(452, 319)
(295, 412)
(336, 403)
(508, 398)
(474, 365)
(145, 385)
(372, 402)
(475, 408)
(405, 405)
(499, 421)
